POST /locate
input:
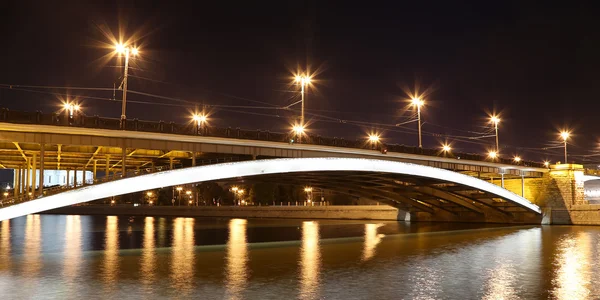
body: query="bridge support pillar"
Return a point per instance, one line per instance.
(68, 178)
(123, 161)
(17, 183)
(33, 174)
(94, 170)
(75, 177)
(22, 180)
(83, 176)
(41, 184)
(107, 172)
(27, 176)
(193, 158)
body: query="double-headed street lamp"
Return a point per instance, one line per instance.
(417, 102)
(565, 136)
(70, 109)
(126, 51)
(495, 120)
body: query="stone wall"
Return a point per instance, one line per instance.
(351, 212)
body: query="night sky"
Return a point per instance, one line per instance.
(535, 65)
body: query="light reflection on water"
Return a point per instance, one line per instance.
(33, 243)
(89, 257)
(111, 251)
(73, 246)
(573, 276)
(372, 238)
(237, 258)
(182, 255)
(148, 263)
(310, 261)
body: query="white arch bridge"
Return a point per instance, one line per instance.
(427, 193)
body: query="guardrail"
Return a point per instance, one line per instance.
(80, 120)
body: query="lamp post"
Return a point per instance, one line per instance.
(417, 102)
(189, 193)
(374, 140)
(308, 190)
(179, 189)
(495, 120)
(303, 80)
(70, 109)
(199, 119)
(493, 155)
(126, 51)
(298, 131)
(565, 136)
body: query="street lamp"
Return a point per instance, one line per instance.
(308, 190)
(546, 164)
(417, 102)
(298, 131)
(200, 119)
(492, 154)
(126, 51)
(517, 159)
(179, 189)
(303, 80)
(446, 148)
(495, 120)
(374, 140)
(565, 136)
(70, 108)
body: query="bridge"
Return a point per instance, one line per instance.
(33, 142)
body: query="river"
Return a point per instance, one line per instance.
(110, 257)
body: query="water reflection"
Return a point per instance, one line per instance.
(73, 245)
(5, 250)
(33, 242)
(573, 277)
(148, 253)
(237, 258)
(182, 253)
(111, 250)
(310, 261)
(501, 282)
(371, 240)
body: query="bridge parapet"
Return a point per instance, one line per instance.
(39, 118)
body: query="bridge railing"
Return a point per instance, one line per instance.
(80, 120)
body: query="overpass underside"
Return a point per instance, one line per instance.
(417, 198)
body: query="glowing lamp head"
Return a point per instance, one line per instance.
(76, 107)
(565, 135)
(546, 164)
(5, 194)
(517, 159)
(190, 202)
(495, 120)
(66, 105)
(308, 189)
(373, 138)
(120, 48)
(135, 51)
(179, 188)
(241, 192)
(188, 192)
(235, 188)
(149, 194)
(298, 129)
(446, 148)
(417, 102)
(151, 202)
(493, 154)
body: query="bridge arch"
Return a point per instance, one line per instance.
(270, 167)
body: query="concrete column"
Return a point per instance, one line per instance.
(33, 177)
(17, 183)
(193, 158)
(123, 163)
(522, 185)
(27, 176)
(75, 177)
(83, 176)
(107, 174)
(170, 163)
(41, 184)
(94, 170)
(22, 180)
(68, 177)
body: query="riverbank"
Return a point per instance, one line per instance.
(339, 212)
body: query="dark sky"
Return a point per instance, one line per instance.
(537, 65)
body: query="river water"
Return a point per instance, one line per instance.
(109, 257)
